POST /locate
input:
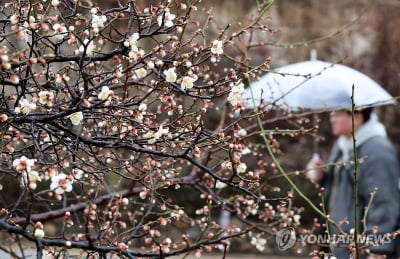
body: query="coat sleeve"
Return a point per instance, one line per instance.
(380, 171)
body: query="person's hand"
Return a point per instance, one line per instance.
(313, 172)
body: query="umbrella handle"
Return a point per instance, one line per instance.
(315, 121)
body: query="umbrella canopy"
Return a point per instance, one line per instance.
(316, 85)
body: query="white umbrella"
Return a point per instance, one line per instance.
(316, 85)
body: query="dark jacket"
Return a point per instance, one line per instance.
(380, 169)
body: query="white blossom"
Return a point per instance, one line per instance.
(23, 33)
(98, 22)
(45, 97)
(59, 31)
(105, 93)
(3, 117)
(61, 183)
(139, 117)
(31, 178)
(141, 72)
(217, 47)
(77, 173)
(25, 106)
(259, 243)
(142, 107)
(143, 195)
(241, 168)
(246, 151)
(168, 19)
(136, 54)
(90, 48)
(220, 185)
(132, 41)
(23, 164)
(38, 233)
(31, 19)
(241, 133)
(94, 10)
(170, 75)
(124, 201)
(235, 96)
(154, 136)
(150, 64)
(161, 131)
(76, 118)
(14, 79)
(187, 82)
(4, 58)
(296, 218)
(55, 3)
(14, 19)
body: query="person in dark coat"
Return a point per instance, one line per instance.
(378, 171)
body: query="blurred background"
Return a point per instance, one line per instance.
(365, 35)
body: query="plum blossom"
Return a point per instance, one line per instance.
(14, 19)
(139, 117)
(141, 72)
(170, 75)
(143, 195)
(132, 42)
(124, 201)
(241, 133)
(39, 233)
(5, 62)
(296, 218)
(168, 19)
(198, 253)
(241, 168)
(46, 97)
(61, 183)
(98, 22)
(246, 151)
(31, 178)
(14, 79)
(105, 93)
(77, 173)
(23, 33)
(23, 164)
(25, 106)
(259, 243)
(3, 117)
(187, 82)
(142, 107)
(90, 47)
(235, 96)
(153, 136)
(55, 3)
(220, 185)
(76, 118)
(59, 31)
(217, 47)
